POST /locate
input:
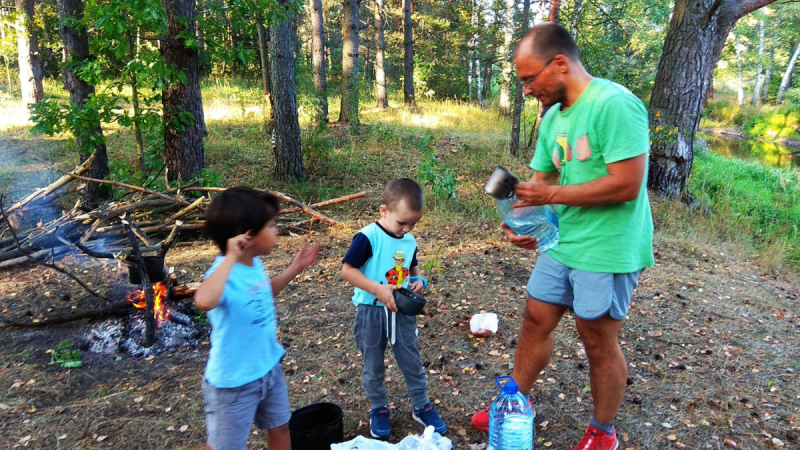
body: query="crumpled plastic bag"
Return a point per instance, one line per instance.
(362, 443)
(483, 324)
(430, 440)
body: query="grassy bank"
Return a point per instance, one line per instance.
(451, 147)
(763, 121)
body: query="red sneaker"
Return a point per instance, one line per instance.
(481, 420)
(595, 439)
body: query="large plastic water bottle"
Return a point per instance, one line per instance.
(510, 419)
(539, 222)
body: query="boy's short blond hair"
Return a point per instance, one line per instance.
(404, 189)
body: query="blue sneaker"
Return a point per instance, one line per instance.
(379, 425)
(427, 416)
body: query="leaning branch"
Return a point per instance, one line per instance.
(51, 266)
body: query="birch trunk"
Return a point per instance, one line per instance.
(30, 65)
(759, 66)
(787, 75)
(505, 55)
(739, 83)
(770, 67)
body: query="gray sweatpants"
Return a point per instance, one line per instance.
(370, 330)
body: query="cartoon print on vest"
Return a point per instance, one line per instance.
(398, 273)
(584, 151)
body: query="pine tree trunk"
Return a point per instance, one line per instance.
(183, 137)
(76, 48)
(694, 41)
(408, 55)
(288, 154)
(757, 87)
(30, 65)
(519, 100)
(266, 79)
(318, 58)
(787, 75)
(349, 109)
(505, 55)
(380, 50)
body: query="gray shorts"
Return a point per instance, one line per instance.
(230, 411)
(591, 295)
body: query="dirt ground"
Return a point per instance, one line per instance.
(712, 342)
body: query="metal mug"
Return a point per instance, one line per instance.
(501, 184)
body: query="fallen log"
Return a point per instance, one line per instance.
(333, 201)
(119, 309)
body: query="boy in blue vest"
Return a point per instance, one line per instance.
(382, 258)
(243, 381)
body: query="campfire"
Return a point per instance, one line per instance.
(161, 311)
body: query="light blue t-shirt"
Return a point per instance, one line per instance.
(390, 262)
(244, 343)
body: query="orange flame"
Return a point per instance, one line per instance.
(160, 310)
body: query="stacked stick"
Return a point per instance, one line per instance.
(101, 230)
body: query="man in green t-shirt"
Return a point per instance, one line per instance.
(590, 161)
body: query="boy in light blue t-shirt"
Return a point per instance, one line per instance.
(382, 258)
(243, 380)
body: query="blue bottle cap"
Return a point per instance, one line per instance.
(510, 387)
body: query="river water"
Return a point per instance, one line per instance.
(754, 150)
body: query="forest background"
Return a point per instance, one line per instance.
(322, 99)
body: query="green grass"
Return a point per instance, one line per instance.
(764, 121)
(749, 206)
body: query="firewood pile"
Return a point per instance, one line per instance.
(153, 217)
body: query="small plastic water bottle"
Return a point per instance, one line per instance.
(510, 419)
(539, 222)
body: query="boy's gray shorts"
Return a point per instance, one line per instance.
(591, 295)
(230, 411)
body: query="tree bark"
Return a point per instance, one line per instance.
(30, 65)
(349, 104)
(787, 76)
(266, 77)
(76, 48)
(133, 49)
(519, 100)
(505, 55)
(760, 64)
(288, 155)
(183, 137)
(694, 41)
(408, 55)
(380, 49)
(318, 59)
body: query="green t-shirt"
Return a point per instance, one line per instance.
(605, 125)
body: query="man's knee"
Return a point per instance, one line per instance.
(541, 317)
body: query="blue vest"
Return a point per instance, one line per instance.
(390, 262)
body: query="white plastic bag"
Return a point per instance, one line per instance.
(362, 443)
(483, 324)
(430, 440)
